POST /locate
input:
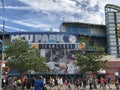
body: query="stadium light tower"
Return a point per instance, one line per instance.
(2, 54)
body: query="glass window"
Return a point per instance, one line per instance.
(111, 28)
(111, 14)
(114, 52)
(118, 14)
(118, 20)
(113, 48)
(111, 17)
(118, 24)
(118, 17)
(111, 36)
(111, 40)
(112, 25)
(111, 32)
(119, 39)
(77, 29)
(112, 43)
(111, 20)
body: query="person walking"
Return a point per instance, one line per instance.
(39, 84)
(117, 83)
(28, 84)
(90, 82)
(102, 83)
(33, 79)
(108, 82)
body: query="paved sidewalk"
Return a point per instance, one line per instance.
(72, 88)
(87, 88)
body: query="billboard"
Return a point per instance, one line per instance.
(59, 61)
(55, 47)
(45, 37)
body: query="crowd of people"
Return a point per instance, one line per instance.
(42, 83)
(16, 83)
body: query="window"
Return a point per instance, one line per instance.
(114, 52)
(112, 25)
(112, 32)
(77, 29)
(112, 43)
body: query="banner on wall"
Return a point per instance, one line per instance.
(55, 46)
(46, 38)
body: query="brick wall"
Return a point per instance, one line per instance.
(112, 67)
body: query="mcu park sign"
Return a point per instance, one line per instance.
(48, 40)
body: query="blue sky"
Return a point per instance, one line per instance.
(41, 15)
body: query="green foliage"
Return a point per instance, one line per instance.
(23, 58)
(92, 59)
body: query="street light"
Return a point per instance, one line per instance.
(2, 53)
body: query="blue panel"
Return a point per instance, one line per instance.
(77, 29)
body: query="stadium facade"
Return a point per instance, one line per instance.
(96, 33)
(106, 36)
(112, 18)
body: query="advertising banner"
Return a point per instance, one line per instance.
(58, 48)
(61, 61)
(45, 37)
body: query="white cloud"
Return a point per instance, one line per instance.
(49, 5)
(55, 10)
(45, 27)
(11, 29)
(27, 23)
(68, 8)
(30, 24)
(17, 7)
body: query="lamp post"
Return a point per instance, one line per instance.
(2, 53)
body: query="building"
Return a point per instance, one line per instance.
(112, 18)
(97, 33)
(107, 36)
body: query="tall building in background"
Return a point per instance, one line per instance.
(112, 18)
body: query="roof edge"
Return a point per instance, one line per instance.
(83, 23)
(112, 7)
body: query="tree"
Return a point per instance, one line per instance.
(91, 58)
(21, 57)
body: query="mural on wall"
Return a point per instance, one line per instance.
(57, 47)
(61, 61)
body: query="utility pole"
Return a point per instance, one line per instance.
(2, 49)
